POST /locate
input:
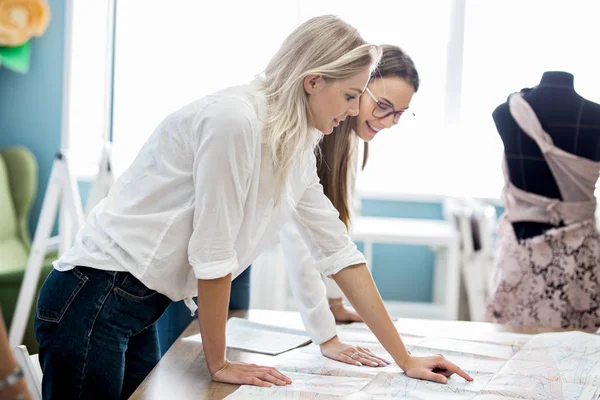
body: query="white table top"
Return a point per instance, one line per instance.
(404, 231)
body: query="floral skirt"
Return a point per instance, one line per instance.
(550, 280)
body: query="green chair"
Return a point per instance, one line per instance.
(18, 187)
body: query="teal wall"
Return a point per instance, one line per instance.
(31, 104)
(404, 272)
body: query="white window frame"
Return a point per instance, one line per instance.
(85, 167)
(452, 101)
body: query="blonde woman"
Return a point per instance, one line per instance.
(210, 189)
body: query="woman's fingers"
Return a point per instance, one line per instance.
(252, 380)
(354, 317)
(442, 371)
(436, 369)
(386, 362)
(278, 374)
(366, 359)
(353, 355)
(382, 361)
(268, 376)
(443, 363)
(262, 376)
(432, 376)
(348, 360)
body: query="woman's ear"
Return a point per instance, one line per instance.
(313, 83)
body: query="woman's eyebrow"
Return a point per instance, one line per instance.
(387, 101)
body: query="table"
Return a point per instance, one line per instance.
(441, 237)
(182, 373)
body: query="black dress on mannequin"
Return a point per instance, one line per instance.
(574, 125)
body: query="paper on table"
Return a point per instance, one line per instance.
(305, 386)
(507, 338)
(349, 333)
(548, 366)
(464, 346)
(259, 338)
(309, 360)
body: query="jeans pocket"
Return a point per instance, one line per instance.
(131, 288)
(57, 294)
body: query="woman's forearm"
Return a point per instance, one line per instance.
(213, 304)
(8, 363)
(358, 286)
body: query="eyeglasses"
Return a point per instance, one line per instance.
(383, 110)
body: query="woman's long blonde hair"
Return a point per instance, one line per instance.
(323, 45)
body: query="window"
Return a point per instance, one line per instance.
(470, 54)
(169, 55)
(156, 71)
(87, 123)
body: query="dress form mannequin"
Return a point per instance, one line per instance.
(574, 125)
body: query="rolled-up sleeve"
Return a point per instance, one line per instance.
(323, 231)
(223, 163)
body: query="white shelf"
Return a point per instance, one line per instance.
(441, 237)
(409, 309)
(404, 231)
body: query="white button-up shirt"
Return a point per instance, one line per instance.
(198, 203)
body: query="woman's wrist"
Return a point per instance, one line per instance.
(8, 368)
(333, 340)
(336, 302)
(216, 365)
(403, 359)
(11, 377)
(13, 385)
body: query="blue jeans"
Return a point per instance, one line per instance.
(177, 317)
(97, 333)
(240, 291)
